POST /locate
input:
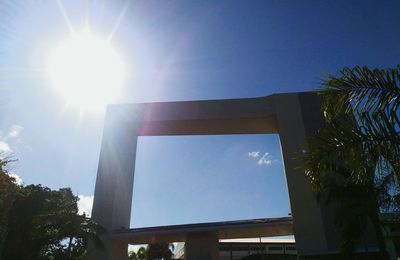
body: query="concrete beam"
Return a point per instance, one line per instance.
(223, 230)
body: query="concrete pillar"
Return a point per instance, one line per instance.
(308, 225)
(298, 116)
(202, 246)
(114, 184)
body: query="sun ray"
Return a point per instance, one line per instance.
(65, 15)
(119, 20)
(88, 14)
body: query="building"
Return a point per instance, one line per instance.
(235, 249)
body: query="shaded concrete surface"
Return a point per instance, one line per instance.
(202, 246)
(223, 230)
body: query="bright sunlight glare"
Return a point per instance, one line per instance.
(87, 71)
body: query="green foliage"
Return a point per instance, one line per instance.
(44, 224)
(154, 251)
(8, 192)
(355, 158)
(372, 97)
(132, 256)
(141, 254)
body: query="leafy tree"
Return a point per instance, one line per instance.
(155, 251)
(355, 158)
(141, 254)
(45, 224)
(8, 191)
(132, 255)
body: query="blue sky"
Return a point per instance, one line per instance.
(194, 179)
(176, 50)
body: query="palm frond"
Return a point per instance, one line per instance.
(362, 89)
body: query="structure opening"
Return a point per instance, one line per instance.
(208, 178)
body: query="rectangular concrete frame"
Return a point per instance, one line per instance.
(292, 116)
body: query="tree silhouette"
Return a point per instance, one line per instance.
(155, 251)
(40, 223)
(355, 157)
(8, 192)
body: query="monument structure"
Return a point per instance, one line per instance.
(293, 116)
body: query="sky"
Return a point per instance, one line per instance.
(197, 179)
(179, 50)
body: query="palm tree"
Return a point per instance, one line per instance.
(355, 157)
(142, 253)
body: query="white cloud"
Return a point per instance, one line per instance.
(266, 159)
(254, 154)
(85, 204)
(18, 179)
(4, 147)
(15, 131)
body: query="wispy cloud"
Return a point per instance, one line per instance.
(254, 154)
(265, 159)
(85, 204)
(15, 131)
(4, 147)
(10, 141)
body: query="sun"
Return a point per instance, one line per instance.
(87, 71)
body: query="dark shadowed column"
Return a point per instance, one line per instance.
(307, 217)
(202, 246)
(114, 184)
